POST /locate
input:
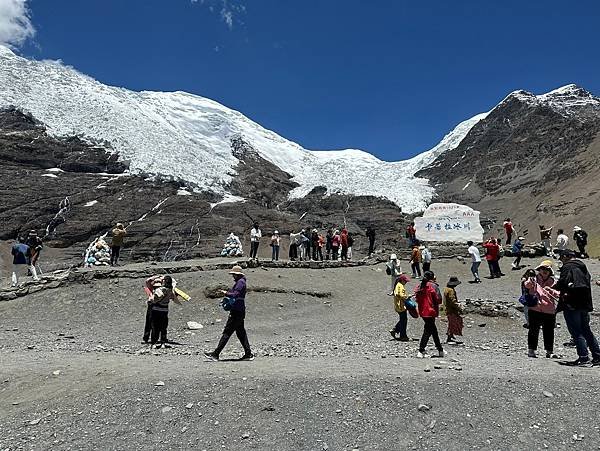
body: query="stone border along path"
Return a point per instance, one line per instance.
(142, 270)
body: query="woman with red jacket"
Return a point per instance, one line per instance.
(429, 298)
(344, 242)
(492, 255)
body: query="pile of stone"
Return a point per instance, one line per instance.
(97, 253)
(232, 247)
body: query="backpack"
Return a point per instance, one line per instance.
(227, 303)
(527, 299)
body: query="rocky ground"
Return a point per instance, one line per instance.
(327, 374)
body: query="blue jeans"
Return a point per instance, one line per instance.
(400, 327)
(475, 269)
(578, 323)
(275, 252)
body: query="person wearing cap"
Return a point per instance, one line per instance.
(255, 236)
(118, 237)
(475, 260)
(237, 315)
(517, 250)
(575, 301)
(393, 269)
(275, 241)
(453, 311)
(543, 314)
(429, 298)
(400, 296)
(162, 292)
(580, 237)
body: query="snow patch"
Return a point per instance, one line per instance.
(54, 176)
(228, 199)
(55, 170)
(183, 192)
(91, 203)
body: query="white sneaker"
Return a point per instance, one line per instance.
(442, 353)
(531, 353)
(421, 355)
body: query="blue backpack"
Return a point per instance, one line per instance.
(227, 303)
(527, 299)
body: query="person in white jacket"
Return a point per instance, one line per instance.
(426, 255)
(562, 240)
(255, 236)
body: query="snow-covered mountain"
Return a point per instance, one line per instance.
(189, 137)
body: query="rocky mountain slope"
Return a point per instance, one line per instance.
(534, 159)
(188, 138)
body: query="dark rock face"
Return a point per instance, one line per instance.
(89, 190)
(528, 160)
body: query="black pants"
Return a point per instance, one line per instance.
(430, 330)
(148, 324)
(293, 254)
(517, 261)
(115, 252)
(546, 322)
(253, 249)
(334, 253)
(508, 237)
(160, 322)
(371, 245)
(319, 254)
(235, 323)
(426, 266)
(416, 269)
(344, 253)
(581, 248)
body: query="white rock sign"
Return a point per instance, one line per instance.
(449, 222)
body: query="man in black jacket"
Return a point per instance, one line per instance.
(575, 300)
(371, 235)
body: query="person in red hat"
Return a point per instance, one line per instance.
(400, 297)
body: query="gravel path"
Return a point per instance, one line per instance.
(327, 376)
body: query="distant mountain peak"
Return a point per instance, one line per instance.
(567, 100)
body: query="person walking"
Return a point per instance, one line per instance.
(562, 240)
(580, 237)
(575, 301)
(275, 242)
(21, 260)
(492, 251)
(426, 257)
(475, 261)
(453, 311)
(415, 261)
(344, 244)
(508, 229)
(36, 245)
(517, 251)
(255, 236)
(371, 236)
(118, 238)
(545, 236)
(400, 296)
(237, 314)
(393, 269)
(428, 297)
(543, 314)
(162, 292)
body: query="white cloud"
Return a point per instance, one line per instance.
(229, 10)
(15, 23)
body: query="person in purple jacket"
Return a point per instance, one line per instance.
(237, 314)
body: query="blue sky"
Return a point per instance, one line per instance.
(387, 76)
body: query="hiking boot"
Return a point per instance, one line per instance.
(211, 356)
(422, 355)
(531, 353)
(442, 353)
(526, 326)
(581, 361)
(596, 361)
(249, 357)
(551, 355)
(393, 334)
(403, 339)
(569, 344)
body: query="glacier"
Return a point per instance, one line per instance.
(188, 137)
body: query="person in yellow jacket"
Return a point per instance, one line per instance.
(400, 296)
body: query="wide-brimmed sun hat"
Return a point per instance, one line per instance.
(453, 282)
(546, 264)
(237, 269)
(393, 257)
(403, 278)
(576, 229)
